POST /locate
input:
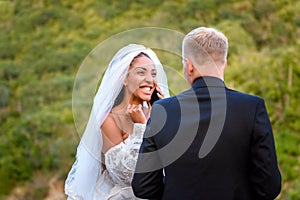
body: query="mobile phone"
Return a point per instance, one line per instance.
(154, 96)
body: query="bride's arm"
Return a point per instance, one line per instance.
(120, 160)
(120, 154)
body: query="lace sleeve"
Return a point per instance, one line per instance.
(120, 160)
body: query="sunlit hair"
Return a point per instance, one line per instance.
(205, 46)
(138, 56)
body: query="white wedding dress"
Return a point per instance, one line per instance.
(120, 160)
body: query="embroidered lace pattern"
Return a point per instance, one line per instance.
(120, 161)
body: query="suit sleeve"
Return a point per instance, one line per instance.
(147, 181)
(265, 175)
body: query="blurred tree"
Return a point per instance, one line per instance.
(4, 97)
(21, 5)
(204, 10)
(8, 47)
(263, 9)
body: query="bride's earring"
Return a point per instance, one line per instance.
(125, 83)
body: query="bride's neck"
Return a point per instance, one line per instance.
(131, 99)
(122, 107)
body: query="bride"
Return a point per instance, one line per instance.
(107, 153)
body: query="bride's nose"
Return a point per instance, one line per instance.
(149, 78)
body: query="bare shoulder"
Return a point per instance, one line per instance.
(112, 134)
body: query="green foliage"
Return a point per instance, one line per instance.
(112, 9)
(264, 8)
(9, 71)
(30, 143)
(5, 93)
(42, 16)
(42, 44)
(20, 5)
(204, 10)
(240, 40)
(8, 47)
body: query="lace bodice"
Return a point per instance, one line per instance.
(120, 161)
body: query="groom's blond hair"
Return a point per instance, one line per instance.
(205, 47)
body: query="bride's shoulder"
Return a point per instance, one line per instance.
(112, 134)
(110, 125)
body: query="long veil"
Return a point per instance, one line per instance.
(86, 169)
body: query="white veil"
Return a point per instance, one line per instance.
(84, 173)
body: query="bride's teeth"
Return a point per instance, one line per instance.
(147, 89)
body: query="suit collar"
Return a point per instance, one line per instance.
(208, 81)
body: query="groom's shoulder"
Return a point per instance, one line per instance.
(173, 100)
(167, 100)
(243, 95)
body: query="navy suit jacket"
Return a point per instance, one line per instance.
(208, 143)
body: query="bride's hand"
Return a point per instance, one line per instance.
(160, 94)
(136, 113)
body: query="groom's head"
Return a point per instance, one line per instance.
(204, 52)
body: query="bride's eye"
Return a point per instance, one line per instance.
(153, 73)
(141, 72)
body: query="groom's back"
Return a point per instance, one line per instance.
(225, 172)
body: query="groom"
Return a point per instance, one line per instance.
(209, 142)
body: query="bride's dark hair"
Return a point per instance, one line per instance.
(120, 96)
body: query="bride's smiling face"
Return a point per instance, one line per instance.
(141, 79)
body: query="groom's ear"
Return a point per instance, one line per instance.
(190, 67)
